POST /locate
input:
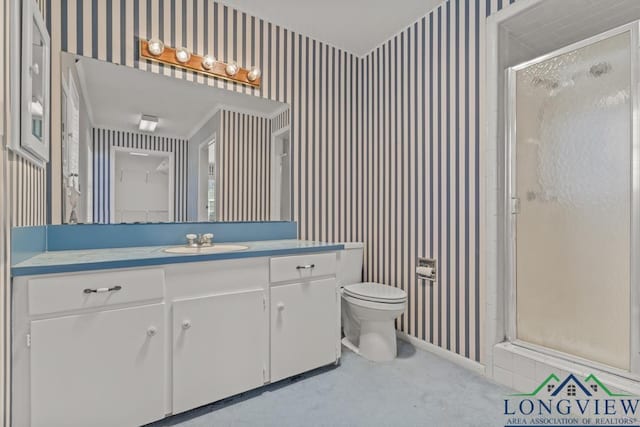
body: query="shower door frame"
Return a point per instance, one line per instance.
(510, 231)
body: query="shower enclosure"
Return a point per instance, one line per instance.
(573, 183)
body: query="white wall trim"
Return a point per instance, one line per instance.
(84, 90)
(469, 364)
(492, 194)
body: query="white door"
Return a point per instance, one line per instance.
(142, 185)
(219, 347)
(304, 331)
(207, 180)
(98, 369)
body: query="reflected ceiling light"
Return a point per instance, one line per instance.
(183, 55)
(148, 123)
(254, 74)
(156, 47)
(231, 68)
(208, 62)
(133, 153)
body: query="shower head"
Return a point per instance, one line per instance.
(600, 69)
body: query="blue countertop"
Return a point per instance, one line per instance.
(65, 261)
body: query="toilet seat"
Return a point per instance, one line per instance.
(375, 292)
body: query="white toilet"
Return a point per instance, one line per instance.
(368, 309)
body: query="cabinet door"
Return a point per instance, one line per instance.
(99, 369)
(304, 330)
(219, 348)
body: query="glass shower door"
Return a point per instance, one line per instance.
(571, 183)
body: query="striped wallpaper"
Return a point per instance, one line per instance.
(280, 121)
(104, 139)
(421, 97)
(244, 162)
(29, 192)
(386, 148)
(420, 167)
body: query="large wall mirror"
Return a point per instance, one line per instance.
(143, 147)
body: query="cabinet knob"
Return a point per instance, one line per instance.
(152, 331)
(186, 324)
(280, 306)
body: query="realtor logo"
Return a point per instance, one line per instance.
(570, 387)
(571, 401)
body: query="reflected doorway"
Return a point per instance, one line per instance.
(207, 176)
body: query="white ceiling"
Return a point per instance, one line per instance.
(357, 26)
(119, 95)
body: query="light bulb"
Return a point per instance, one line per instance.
(183, 55)
(208, 62)
(254, 74)
(155, 46)
(231, 68)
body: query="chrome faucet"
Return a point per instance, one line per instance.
(199, 240)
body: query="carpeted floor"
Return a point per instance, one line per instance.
(416, 389)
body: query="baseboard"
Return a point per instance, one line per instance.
(472, 365)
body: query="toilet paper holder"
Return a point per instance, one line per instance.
(427, 269)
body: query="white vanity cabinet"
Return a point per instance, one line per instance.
(219, 347)
(126, 347)
(87, 343)
(305, 333)
(98, 369)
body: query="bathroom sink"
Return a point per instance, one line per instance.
(215, 249)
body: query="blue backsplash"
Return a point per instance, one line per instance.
(29, 241)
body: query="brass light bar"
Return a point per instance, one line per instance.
(194, 63)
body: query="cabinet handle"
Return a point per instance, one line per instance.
(305, 267)
(186, 324)
(280, 306)
(152, 331)
(102, 290)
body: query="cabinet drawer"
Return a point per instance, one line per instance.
(303, 266)
(64, 293)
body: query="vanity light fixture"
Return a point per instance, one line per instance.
(156, 47)
(254, 74)
(183, 55)
(156, 51)
(208, 62)
(135, 153)
(231, 68)
(148, 123)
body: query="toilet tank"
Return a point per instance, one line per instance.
(350, 263)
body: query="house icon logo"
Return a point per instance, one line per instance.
(572, 400)
(571, 386)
